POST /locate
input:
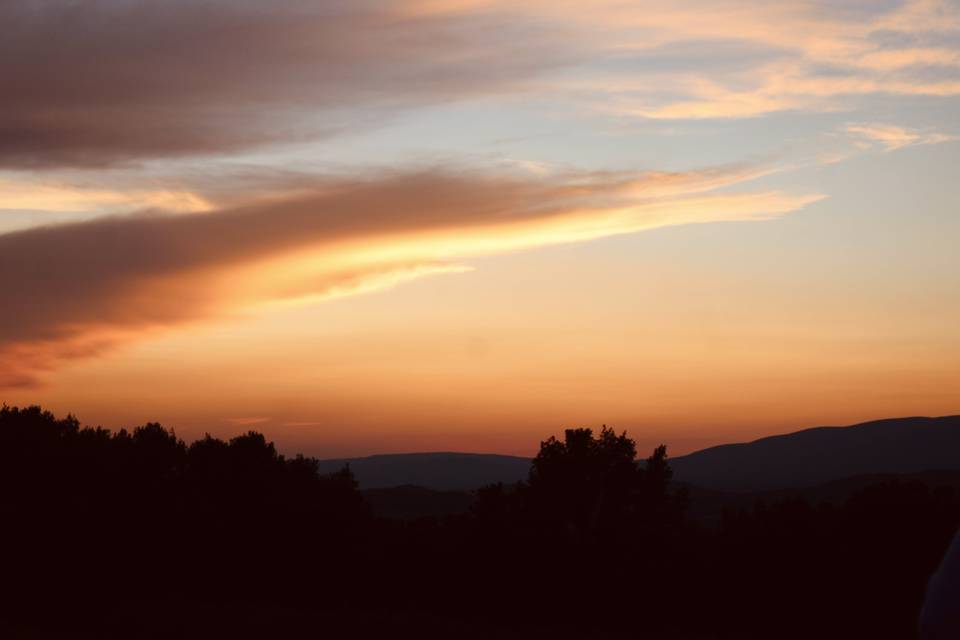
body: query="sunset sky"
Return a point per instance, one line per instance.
(367, 226)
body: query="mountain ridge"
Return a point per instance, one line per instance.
(821, 454)
(805, 457)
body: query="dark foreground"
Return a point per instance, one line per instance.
(138, 535)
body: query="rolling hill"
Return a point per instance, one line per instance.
(822, 454)
(794, 460)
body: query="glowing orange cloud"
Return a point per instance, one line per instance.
(47, 195)
(75, 290)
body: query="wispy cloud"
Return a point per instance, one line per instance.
(893, 137)
(806, 56)
(37, 194)
(76, 290)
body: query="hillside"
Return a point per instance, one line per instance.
(442, 471)
(416, 502)
(794, 460)
(819, 455)
(706, 506)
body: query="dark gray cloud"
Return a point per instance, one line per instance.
(103, 82)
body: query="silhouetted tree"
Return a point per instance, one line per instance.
(137, 534)
(591, 485)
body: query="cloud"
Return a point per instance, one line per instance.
(101, 83)
(777, 88)
(105, 83)
(915, 57)
(805, 56)
(17, 193)
(893, 137)
(76, 290)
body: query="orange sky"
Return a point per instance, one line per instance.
(496, 358)
(467, 225)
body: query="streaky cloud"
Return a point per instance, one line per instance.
(77, 290)
(893, 137)
(106, 83)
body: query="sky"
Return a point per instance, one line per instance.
(374, 226)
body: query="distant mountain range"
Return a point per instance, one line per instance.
(794, 460)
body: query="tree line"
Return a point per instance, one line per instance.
(138, 534)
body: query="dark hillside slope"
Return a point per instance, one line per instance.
(417, 502)
(820, 455)
(706, 506)
(438, 471)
